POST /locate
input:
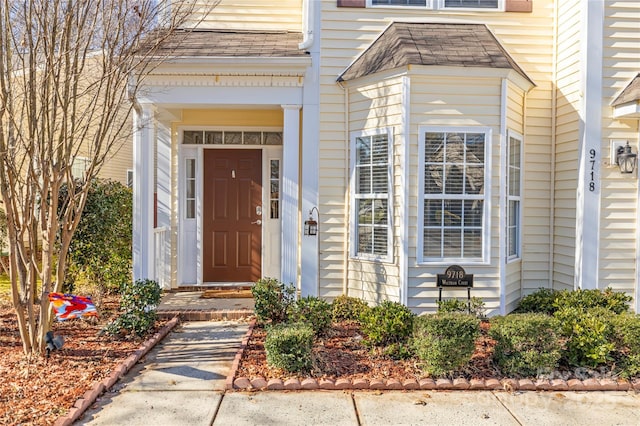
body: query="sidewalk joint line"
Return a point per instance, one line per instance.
(215, 413)
(506, 408)
(355, 409)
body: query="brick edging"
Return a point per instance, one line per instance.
(259, 383)
(90, 396)
(238, 357)
(309, 383)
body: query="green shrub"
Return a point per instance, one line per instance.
(272, 300)
(474, 307)
(313, 311)
(100, 251)
(542, 301)
(444, 342)
(526, 344)
(347, 308)
(387, 323)
(589, 334)
(288, 346)
(138, 303)
(627, 335)
(616, 302)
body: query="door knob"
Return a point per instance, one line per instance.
(257, 222)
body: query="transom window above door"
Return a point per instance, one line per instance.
(231, 137)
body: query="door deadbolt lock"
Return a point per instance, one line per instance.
(259, 210)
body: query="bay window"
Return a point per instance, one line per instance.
(453, 195)
(371, 187)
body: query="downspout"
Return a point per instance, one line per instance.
(347, 225)
(307, 24)
(552, 185)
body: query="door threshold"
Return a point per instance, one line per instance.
(216, 286)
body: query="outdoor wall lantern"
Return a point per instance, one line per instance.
(311, 225)
(626, 159)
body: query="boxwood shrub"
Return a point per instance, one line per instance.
(627, 334)
(444, 342)
(313, 311)
(272, 300)
(541, 301)
(526, 344)
(288, 346)
(613, 301)
(387, 323)
(589, 334)
(347, 308)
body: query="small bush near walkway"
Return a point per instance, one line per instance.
(138, 303)
(445, 342)
(288, 346)
(313, 311)
(526, 344)
(272, 300)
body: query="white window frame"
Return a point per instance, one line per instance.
(516, 198)
(428, 5)
(499, 8)
(484, 259)
(441, 5)
(355, 197)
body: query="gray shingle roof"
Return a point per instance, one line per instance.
(458, 45)
(630, 93)
(232, 43)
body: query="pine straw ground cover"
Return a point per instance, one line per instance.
(37, 390)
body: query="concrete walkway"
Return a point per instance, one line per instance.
(181, 382)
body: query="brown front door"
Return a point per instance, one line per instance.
(231, 225)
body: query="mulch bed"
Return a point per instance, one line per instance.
(37, 390)
(342, 354)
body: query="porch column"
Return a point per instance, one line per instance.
(143, 140)
(163, 191)
(589, 149)
(289, 196)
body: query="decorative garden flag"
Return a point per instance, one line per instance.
(68, 306)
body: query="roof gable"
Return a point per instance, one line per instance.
(458, 45)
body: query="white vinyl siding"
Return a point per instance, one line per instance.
(453, 198)
(569, 96)
(619, 193)
(249, 15)
(371, 189)
(514, 193)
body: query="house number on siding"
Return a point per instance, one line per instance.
(592, 170)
